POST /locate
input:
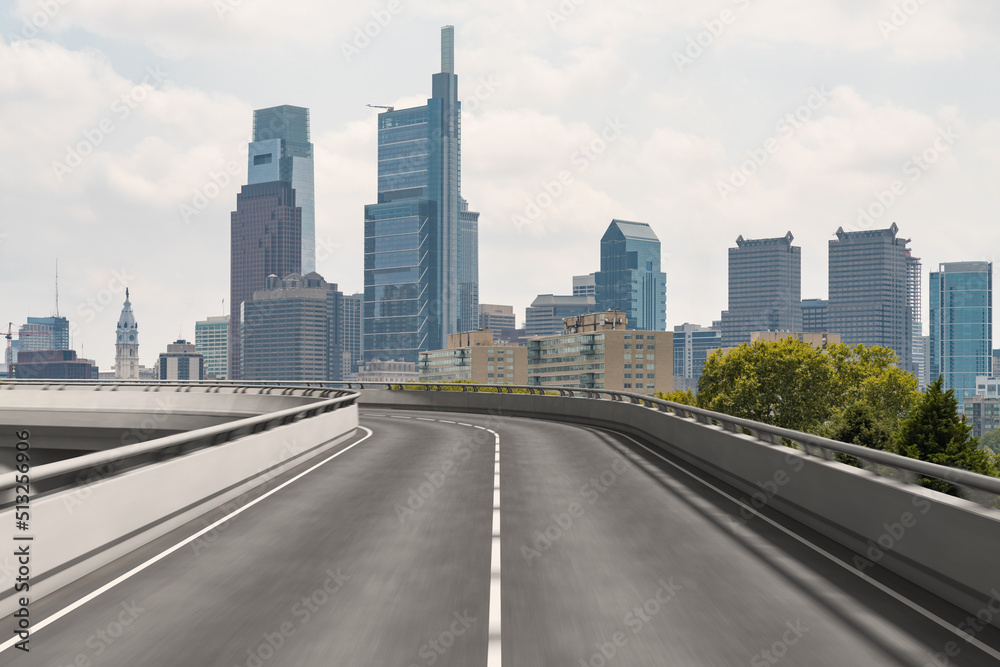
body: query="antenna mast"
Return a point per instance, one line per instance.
(57, 288)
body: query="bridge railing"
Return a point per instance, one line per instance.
(107, 463)
(972, 486)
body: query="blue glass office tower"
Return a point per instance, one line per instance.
(421, 241)
(281, 151)
(44, 333)
(961, 328)
(630, 279)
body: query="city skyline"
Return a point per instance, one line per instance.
(530, 103)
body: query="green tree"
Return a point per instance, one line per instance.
(991, 441)
(685, 397)
(786, 383)
(935, 432)
(860, 424)
(870, 377)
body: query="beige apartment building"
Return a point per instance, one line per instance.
(473, 356)
(596, 351)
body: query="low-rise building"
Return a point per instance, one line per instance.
(474, 356)
(987, 386)
(982, 412)
(596, 351)
(181, 362)
(53, 365)
(377, 370)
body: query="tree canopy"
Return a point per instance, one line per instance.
(935, 432)
(784, 383)
(792, 384)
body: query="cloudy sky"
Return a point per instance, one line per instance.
(123, 130)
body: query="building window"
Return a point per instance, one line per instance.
(638, 376)
(628, 385)
(628, 336)
(628, 365)
(628, 346)
(628, 375)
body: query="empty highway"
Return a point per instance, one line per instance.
(384, 555)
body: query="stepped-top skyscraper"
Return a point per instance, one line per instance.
(421, 241)
(273, 226)
(765, 288)
(875, 291)
(630, 279)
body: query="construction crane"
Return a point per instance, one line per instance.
(379, 106)
(10, 350)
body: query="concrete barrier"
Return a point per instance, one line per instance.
(944, 544)
(92, 418)
(80, 529)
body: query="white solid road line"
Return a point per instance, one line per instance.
(882, 587)
(136, 570)
(494, 654)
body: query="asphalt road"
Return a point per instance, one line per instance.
(383, 557)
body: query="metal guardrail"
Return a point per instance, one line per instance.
(116, 460)
(210, 386)
(971, 485)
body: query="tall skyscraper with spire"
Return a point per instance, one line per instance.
(127, 344)
(273, 226)
(421, 241)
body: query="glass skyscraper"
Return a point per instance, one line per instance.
(630, 279)
(692, 345)
(421, 241)
(211, 339)
(961, 326)
(875, 291)
(281, 151)
(765, 288)
(44, 333)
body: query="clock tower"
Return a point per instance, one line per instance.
(127, 344)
